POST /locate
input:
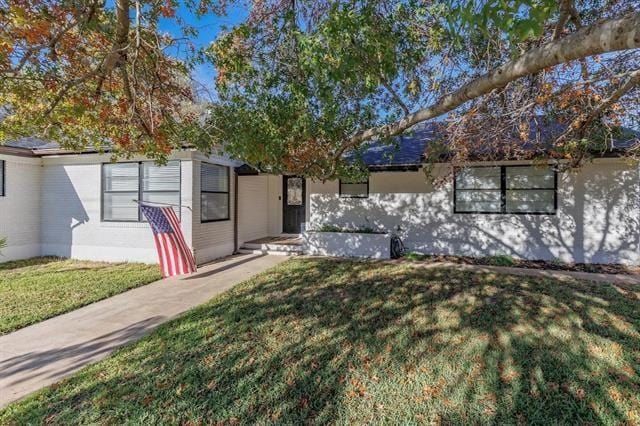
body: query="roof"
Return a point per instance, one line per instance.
(407, 151)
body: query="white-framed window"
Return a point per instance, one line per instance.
(214, 192)
(122, 183)
(354, 189)
(506, 190)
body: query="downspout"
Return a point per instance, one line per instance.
(235, 211)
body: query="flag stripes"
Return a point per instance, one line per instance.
(174, 255)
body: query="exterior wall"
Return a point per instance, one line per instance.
(253, 207)
(275, 205)
(71, 213)
(211, 240)
(20, 208)
(598, 217)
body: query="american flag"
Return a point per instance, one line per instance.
(175, 256)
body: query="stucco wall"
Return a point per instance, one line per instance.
(70, 214)
(597, 219)
(20, 208)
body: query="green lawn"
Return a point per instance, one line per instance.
(357, 342)
(36, 289)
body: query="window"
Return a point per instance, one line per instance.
(214, 193)
(354, 189)
(122, 183)
(294, 191)
(2, 178)
(506, 189)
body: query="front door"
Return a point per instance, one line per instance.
(293, 189)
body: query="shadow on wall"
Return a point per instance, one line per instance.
(598, 220)
(62, 212)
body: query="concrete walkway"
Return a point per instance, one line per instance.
(42, 354)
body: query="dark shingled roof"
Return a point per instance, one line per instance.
(406, 151)
(32, 143)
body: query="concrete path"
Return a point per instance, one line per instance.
(542, 273)
(42, 354)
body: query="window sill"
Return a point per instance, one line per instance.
(214, 220)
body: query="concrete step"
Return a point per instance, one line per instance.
(246, 250)
(272, 247)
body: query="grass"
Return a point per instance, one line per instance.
(318, 340)
(36, 289)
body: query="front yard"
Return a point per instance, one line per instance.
(317, 340)
(36, 289)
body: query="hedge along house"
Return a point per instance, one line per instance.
(80, 205)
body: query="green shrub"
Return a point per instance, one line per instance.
(412, 255)
(334, 228)
(499, 260)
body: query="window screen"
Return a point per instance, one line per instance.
(505, 189)
(214, 192)
(2, 178)
(122, 183)
(354, 189)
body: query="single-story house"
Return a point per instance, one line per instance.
(81, 205)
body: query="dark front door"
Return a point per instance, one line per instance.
(293, 190)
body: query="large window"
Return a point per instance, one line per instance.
(122, 183)
(354, 189)
(2, 178)
(506, 189)
(214, 193)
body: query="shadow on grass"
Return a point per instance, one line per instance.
(337, 341)
(34, 261)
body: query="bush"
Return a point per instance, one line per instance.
(412, 255)
(334, 228)
(499, 260)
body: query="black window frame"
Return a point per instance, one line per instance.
(228, 192)
(341, 195)
(3, 173)
(503, 192)
(141, 192)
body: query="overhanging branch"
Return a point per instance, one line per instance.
(606, 36)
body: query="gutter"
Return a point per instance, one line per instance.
(20, 152)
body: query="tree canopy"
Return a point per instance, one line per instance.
(301, 83)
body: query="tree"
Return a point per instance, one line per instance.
(301, 83)
(82, 73)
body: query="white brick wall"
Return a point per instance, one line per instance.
(20, 208)
(211, 240)
(71, 222)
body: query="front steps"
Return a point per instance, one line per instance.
(279, 246)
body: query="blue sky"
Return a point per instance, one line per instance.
(209, 27)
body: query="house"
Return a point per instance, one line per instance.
(80, 205)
